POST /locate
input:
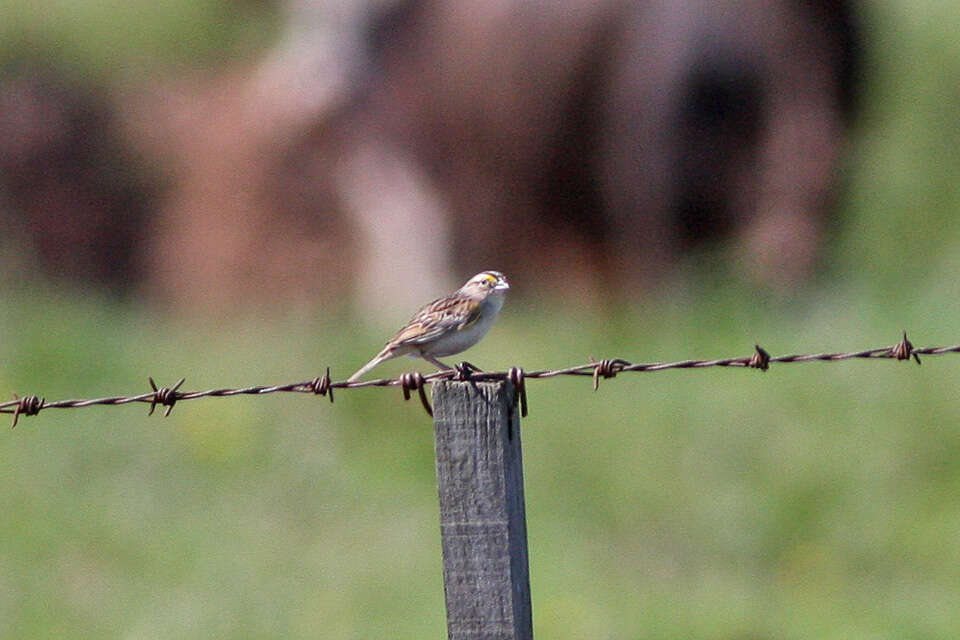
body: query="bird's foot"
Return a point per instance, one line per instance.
(465, 370)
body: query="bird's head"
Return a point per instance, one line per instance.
(485, 283)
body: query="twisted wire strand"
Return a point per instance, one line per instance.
(417, 382)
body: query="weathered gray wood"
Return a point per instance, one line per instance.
(482, 516)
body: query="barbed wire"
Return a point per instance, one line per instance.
(410, 382)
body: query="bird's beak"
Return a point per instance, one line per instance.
(502, 285)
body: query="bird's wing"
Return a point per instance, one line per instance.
(437, 318)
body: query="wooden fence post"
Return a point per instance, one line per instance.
(486, 577)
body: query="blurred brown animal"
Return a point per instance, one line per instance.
(589, 142)
(607, 137)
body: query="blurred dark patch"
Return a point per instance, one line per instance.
(720, 119)
(71, 188)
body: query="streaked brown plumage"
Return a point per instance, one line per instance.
(447, 325)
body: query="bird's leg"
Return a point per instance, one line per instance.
(436, 362)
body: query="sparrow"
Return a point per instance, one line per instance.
(447, 325)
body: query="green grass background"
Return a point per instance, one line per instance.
(812, 501)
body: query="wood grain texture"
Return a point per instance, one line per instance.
(482, 514)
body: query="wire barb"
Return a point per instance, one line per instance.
(760, 359)
(607, 368)
(415, 382)
(321, 386)
(26, 406)
(903, 350)
(516, 377)
(164, 396)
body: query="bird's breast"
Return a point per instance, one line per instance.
(465, 338)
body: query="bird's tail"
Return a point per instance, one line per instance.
(383, 356)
